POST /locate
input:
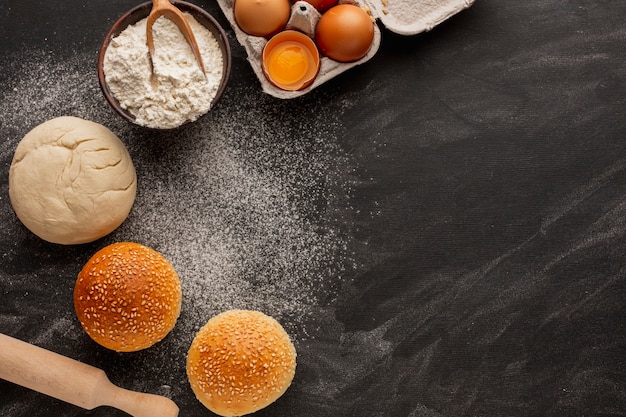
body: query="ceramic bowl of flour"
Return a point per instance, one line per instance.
(170, 90)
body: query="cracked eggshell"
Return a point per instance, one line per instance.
(304, 17)
(71, 181)
(405, 17)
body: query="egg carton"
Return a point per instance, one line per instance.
(404, 17)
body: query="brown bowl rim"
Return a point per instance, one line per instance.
(141, 11)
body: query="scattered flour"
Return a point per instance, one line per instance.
(172, 89)
(251, 212)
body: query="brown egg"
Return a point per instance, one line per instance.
(262, 17)
(345, 33)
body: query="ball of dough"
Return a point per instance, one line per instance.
(71, 181)
(127, 297)
(240, 362)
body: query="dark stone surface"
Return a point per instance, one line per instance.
(455, 239)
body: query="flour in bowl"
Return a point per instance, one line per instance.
(173, 90)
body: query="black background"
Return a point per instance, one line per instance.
(476, 176)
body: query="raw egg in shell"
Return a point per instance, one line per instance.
(291, 60)
(345, 33)
(322, 5)
(262, 17)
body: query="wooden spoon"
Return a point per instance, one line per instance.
(167, 9)
(74, 382)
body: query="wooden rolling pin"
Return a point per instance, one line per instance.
(74, 382)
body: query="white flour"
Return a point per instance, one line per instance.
(252, 212)
(176, 90)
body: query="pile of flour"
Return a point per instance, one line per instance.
(173, 89)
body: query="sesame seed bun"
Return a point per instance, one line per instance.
(127, 297)
(240, 362)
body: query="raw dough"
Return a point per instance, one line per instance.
(71, 181)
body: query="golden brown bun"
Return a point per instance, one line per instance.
(239, 362)
(127, 297)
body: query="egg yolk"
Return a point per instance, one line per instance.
(289, 62)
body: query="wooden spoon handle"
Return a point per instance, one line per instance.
(171, 12)
(72, 381)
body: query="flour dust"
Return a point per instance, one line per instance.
(250, 204)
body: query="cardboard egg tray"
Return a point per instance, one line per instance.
(404, 17)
